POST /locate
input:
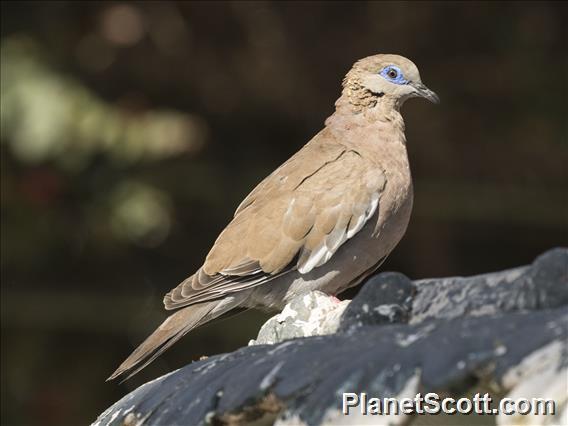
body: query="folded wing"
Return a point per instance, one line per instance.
(297, 218)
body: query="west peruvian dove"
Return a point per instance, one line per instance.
(324, 220)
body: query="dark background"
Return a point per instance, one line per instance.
(131, 131)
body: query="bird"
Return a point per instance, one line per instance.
(324, 220)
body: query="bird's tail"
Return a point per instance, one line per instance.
(169, 332)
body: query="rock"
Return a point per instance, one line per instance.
(542, 374)
(314, 314)
(542, 285)
(385, 298)
(506, 332)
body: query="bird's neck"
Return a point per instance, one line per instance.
(382, 114)
(359, 101)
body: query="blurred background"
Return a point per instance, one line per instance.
(131, 131)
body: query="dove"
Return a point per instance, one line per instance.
(324, 220)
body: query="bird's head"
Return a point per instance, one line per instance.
(389, 79)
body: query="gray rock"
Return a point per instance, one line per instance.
(505, 331)
(385, 298)
(314, 314)
(542, 285)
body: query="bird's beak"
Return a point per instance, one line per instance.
(426, 93)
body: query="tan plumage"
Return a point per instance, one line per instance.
(323, 220)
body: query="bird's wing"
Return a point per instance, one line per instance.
(296, 218)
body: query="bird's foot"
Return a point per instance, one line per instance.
(334, 299)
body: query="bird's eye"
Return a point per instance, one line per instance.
(392, 73)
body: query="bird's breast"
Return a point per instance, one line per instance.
(395, 204)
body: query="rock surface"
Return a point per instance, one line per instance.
(314, 314)
(505, 331)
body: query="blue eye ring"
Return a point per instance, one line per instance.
(393, 74)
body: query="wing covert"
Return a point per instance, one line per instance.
(290, 221)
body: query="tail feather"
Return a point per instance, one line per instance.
(169, 332)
